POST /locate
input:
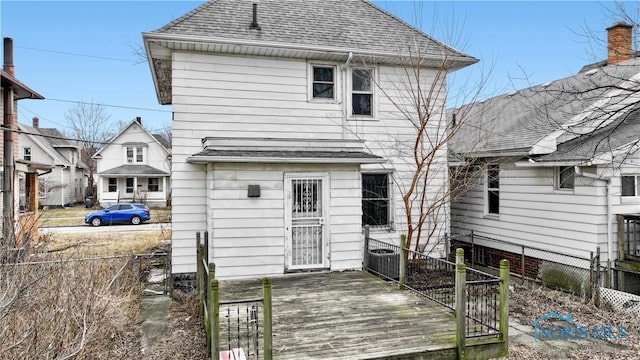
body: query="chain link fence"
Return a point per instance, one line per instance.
(581, 276)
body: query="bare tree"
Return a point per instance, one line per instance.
(89, 123)
(416, 141)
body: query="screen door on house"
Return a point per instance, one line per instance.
(305, 220)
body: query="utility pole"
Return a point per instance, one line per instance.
(7, 165)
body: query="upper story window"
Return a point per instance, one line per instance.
(565, 177)
(630, 185)
(362, 92)
(493, 189)
(135, 154)
(26, 153)
(376, 200)
(324, 82)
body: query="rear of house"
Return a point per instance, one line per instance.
(285, 145)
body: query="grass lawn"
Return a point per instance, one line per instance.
(74, 216)
(106, 243)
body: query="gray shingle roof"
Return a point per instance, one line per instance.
(134, 170)
(353, 25)
(287, 154)
(518, 120)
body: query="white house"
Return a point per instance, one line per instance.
(134, 166)
(561, 166)
(64, 184)
(284, 114)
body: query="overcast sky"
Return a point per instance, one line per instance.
(85, 50)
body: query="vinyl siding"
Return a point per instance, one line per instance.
(533, 213)
(227, 96)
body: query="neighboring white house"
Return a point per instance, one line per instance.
(284, 114)
(65, 183)
(561, 167)
(134, 166)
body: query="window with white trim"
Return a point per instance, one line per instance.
(112, 185)
(630, 185)
(376, 200)
(135, 154)
(153, 184)
(42, 188)
(323, 82)
(565, 177)
(26, 153)
(362, 92)
(493, 189)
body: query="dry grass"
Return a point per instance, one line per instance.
(105, 243)
(63, 308)
(74, 216)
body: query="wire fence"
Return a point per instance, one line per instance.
(574, 274)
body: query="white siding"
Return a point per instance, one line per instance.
(533, 213)
(268, 98)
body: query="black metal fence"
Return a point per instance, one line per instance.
(434, 279)
(241, 328)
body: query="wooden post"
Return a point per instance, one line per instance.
(214, 317)
(403, 261)
(621, 233)
(522, 269)
(461, 278)
(202, 278)
(365, 257)
(206, 247)
(459, 256)
(504, 301)
(268, 332)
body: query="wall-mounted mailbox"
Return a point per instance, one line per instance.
(254, 191)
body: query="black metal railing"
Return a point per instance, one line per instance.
(241, 328)
(434, 279)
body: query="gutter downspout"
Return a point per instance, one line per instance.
(579, 172)
(344, 93)
(62, 185)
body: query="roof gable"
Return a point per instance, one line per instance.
(133, 123)
(44, 141)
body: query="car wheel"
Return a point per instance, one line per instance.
(136, 220)
(96, 221)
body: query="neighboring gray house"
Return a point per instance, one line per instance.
(284, 114)
(561, 167)
(134, 166)
(65, 183)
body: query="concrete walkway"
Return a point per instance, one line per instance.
(154, 314)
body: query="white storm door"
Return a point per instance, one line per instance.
(306, 203)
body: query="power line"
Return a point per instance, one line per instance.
(75, 54)
(107, 105)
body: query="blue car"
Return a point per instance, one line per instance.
(119, 214)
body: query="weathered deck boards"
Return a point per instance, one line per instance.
(350, 315)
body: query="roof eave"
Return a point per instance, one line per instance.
(281, 160)
(21, 91)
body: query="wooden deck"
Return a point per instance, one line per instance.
(352, 315)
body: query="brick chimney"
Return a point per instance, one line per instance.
(36, 122)
(139, 120)
(619, 43)
(8, 56)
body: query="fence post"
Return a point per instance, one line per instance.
(206, 247)
(268, 333)
(459, 256)
(473, 249)
(198, 260)
(522, 264)
(365, 257)
(403, 261)
(461, 278)
(504, 301)
(214, 315)
(596, 287)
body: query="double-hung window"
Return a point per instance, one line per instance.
(324, 82)
(135, 154)
(153, 184)
(362, 92)
(26, 153)
(630, 185)
(565, 177)
(376, 200)
(112, 185)
(493, 189)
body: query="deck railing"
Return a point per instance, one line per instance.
(238, 329)
(479, 299)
